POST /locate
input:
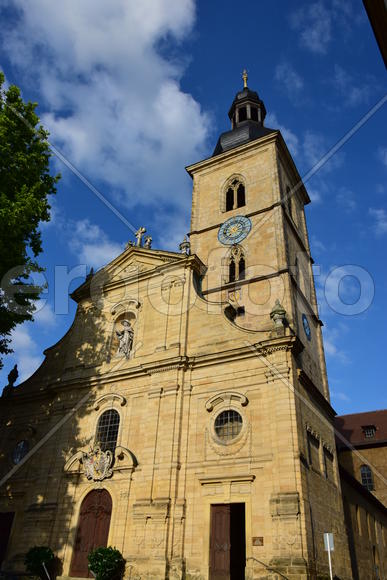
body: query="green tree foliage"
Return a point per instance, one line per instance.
(106, 563)
(36, 557)
(25, 184)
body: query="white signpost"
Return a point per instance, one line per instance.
(329, 547)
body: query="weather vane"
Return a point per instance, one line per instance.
(244, 77)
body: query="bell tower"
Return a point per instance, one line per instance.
(248, 227)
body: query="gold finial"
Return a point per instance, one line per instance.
(245, 77)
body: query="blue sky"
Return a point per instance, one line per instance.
(132, 92)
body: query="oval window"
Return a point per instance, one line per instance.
(228, 425)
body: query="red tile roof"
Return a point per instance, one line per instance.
(351, 427)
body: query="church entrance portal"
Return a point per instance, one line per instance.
(92, 531)
(227, 542)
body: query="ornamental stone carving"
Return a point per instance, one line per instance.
(278, 315)
(97, 464)
(185, 246)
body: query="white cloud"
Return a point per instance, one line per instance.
(289, 79)
(314, 195)
(332, 338)
(91, 244)
(317, 245)
(26, 352)
(318, 23)
(339, 396)
(88, 242)
(346, 199)
(315, 147)
(114, 103)
(290, 137)
(382, 154)
(175, 227)
(313, 22)
(380, 220)
(44, 313)
(352, 94)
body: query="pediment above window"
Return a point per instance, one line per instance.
(74, 464)
(109, 398)
(226, 398)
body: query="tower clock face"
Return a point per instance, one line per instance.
(234, 230)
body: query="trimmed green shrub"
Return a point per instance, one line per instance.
(106, 563)
(36, 557)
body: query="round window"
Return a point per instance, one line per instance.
(228, 425)
(20, 451)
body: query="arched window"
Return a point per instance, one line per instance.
(229, 199)
(235, 195)
(367, 477)
(232, 271)
(237, 265)
(241, 196)
(107, 430)
(242, 268)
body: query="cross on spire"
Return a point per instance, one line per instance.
(245, 76)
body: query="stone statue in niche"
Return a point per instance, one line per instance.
(125, 338)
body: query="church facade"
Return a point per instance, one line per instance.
(185, 416)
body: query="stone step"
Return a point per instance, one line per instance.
(68, 578)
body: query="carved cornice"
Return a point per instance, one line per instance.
(248, 478)
(162, 367)
(263, 348)
(284, 343)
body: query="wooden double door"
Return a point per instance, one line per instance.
(227, 542)
(92, 531)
